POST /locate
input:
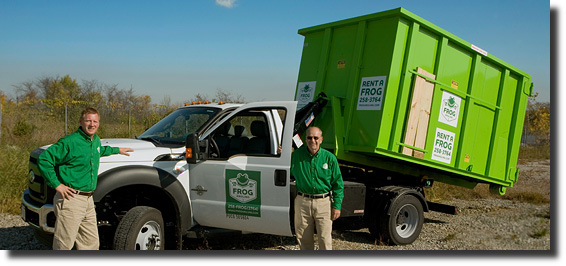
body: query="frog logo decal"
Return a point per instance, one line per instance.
(242, 188)
(305, 93)
(449, 109)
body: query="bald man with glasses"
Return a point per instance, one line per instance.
(320, 191)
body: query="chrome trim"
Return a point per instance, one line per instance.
(170, 157)
(42, 212)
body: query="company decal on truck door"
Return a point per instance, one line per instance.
(243, 194)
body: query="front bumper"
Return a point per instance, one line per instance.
(41, 217)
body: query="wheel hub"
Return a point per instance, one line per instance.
(149, 237)
(407, 221)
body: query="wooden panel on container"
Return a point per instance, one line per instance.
(417, 125)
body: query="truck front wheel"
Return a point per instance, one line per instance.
(141, 228)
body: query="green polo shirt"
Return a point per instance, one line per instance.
(73, 161)
(318, 174)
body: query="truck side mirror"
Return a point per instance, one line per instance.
(192, 150)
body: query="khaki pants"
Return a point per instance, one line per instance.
(76, 223)
(311, 213)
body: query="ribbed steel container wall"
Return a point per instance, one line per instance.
(409, 97)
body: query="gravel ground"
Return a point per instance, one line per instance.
(483, 224)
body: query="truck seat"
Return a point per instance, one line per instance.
(237, 142)
(222, 139)
(259, 144)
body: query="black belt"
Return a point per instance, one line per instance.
(317, 196)
(82, 193)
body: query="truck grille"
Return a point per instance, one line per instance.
(31, 217)
(40, 193)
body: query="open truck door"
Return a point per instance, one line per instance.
(240, 169)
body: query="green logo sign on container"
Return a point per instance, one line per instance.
(243, 194)
(449, 109)
(305, 93)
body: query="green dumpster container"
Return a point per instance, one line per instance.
(410, 98)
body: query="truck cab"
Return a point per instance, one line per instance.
(240, 170)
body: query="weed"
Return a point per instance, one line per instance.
(535, 152)
(23, 128)
(13, 170)
(528, 197)
(540, 233)
(450, 237)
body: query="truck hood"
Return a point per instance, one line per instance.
(143, 150)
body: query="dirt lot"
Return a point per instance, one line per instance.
(518, 221)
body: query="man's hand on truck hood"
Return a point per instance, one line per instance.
(126, 151)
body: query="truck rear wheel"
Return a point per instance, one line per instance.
(405, 221)
(142, 228)
(403, 224)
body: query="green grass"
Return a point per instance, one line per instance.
(13, 170)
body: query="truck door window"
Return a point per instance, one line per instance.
(248, 133)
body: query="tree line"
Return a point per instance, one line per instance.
(63, 98)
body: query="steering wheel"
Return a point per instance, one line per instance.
(214, 150)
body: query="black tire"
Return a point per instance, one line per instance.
(404, 224)
(43, 237)
(141, 228)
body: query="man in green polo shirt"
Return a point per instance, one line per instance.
(320, 191)
(70, 166)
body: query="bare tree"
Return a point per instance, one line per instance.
(27, 92)
(226, 96)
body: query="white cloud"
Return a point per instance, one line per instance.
(226, 3)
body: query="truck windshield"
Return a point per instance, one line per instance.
(174, 128)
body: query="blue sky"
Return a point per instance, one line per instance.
(247, 47)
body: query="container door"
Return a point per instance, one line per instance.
(244, 183)
(481, 121)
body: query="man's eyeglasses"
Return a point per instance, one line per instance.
(311, 138)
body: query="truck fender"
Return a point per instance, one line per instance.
(394, 192)
(146, 175)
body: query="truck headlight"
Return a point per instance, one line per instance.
(31, 177)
